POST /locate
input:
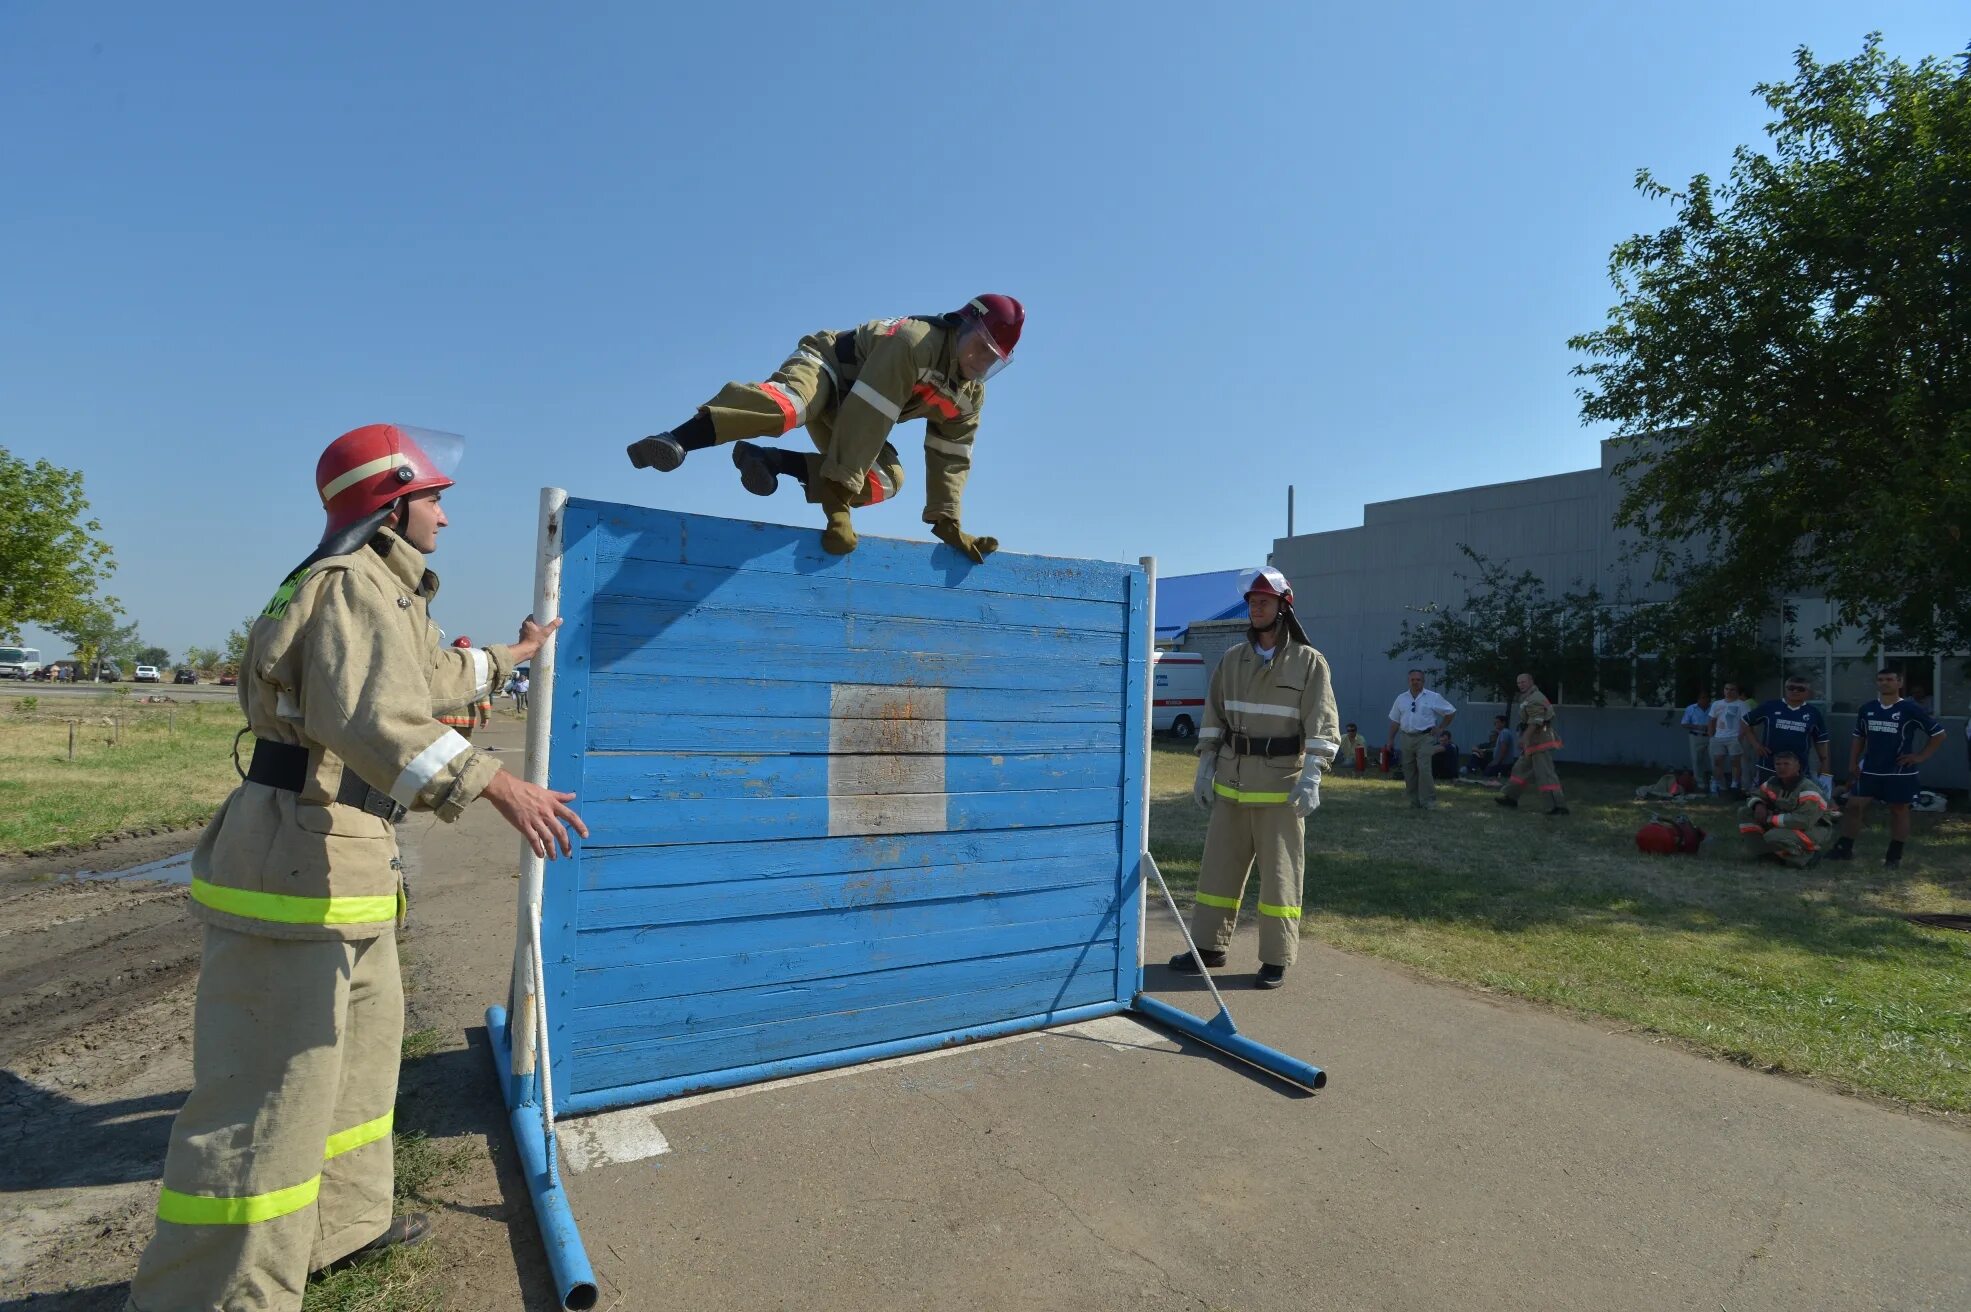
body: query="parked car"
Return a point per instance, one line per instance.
(229, 679)
(148, 674)
(185, 676)
(108, 674)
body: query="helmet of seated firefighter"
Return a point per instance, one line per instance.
(371, 469)
(462, 642)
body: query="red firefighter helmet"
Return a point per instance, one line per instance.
(462, 641)
(994, 321)
(1268, 582)
(1657, 838)
(374, 466)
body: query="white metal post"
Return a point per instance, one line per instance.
(1149, 564)
(540, 722)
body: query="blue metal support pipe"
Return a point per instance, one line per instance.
(574, 1278)
(630, 1095)
(1220, 1033)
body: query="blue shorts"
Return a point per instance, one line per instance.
(1895, 789)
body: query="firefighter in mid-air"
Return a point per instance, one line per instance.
(280, 1160)
(850, 389)
(1270, 729)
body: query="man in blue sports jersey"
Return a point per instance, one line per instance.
(1790, 724)
(1893, 738)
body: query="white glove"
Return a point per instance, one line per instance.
(1826, 782)
(1306, 794)
(1201, 787)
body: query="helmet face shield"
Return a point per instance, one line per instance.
(979, 356)
(430, 454)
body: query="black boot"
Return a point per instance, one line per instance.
(1183, 964)
(1503, 800)
(1269, 976)
(407, 1230)
(661, 452)
(756, 472)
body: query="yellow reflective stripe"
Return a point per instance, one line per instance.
(285, 909)
(1284, 913)
(361, 472)
(357, 1135)
(1213, 900)
(198, 1209)
(1237, 796)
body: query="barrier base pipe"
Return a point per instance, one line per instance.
(1219, 1033)
(574, 1279)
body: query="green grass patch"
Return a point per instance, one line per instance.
(404, 1280)
(1813, 972)
(135, 767)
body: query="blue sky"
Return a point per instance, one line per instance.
(1259, 244)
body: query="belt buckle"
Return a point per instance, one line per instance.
(1241, 745)
(383, 806)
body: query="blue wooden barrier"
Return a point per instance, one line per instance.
(839, 807)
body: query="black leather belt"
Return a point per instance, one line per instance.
(1244, 746)
(285, 766)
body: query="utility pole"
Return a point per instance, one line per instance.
(1289, 510)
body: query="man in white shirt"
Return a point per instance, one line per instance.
(1697, 724)
(1727, 749)
(1415, 715)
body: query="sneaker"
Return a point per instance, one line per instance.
(1892, 863)
(755, 474)
(1841, 854)
(407, 1230)
(1183, 963)
(1506, 801)
(1558, 810)
(1269, 976)
(662, 453)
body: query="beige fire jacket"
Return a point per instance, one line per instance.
(908, 369)
(1288, 697)
(346, 663)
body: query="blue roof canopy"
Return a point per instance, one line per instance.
(1184, 599)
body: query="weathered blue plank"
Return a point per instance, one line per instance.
(663, 623)
(615, 985)
(567, 762)
(602, 1029)
(751, 698)
(606, 948)
(737, 819)
(649, 776)
(1129, 967)
(666, 536)
(1091, 982)
(722, 590)
(634, 731)
(630, 653)
(726, 909)
(701, 863)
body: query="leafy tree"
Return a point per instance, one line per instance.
(1507, 625)
(1793, 358)
(236, 642)
(98, 639)
(157, 656)
(51, 561)
(202, 659)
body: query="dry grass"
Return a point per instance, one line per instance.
(1812, 972)
(135, 767)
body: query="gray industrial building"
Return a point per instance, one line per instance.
(1355, 587)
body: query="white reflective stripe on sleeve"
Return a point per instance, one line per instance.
(876, 401)
(285, 706)
(361, 472)
(482, 672)
(825, 367)
(947, 446)
(793, 399)
(1322, 748)
(448, 747)
(1209, 733)
(1263, 708)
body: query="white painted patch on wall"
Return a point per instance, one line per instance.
(610, 1138)
(886, 760)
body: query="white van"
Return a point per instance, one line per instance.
(19, 662)
(1177, 707)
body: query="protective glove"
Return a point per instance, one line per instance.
(1306, 794)
(946, 530)
(1201, 791)
(1826, 782)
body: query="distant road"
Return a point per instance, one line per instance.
(183, 692)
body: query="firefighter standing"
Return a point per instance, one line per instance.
(1537, 743)
(280, 1161)
(1786, 818)
(474, 712)
(1270, 729)
(849, 389)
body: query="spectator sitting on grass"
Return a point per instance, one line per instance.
(1505, 749)
(1353, 751)
(1444, 761)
